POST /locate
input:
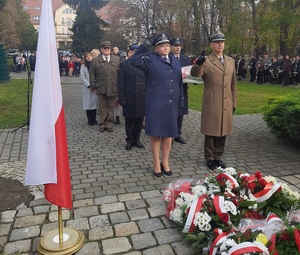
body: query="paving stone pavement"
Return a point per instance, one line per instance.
(117, 201)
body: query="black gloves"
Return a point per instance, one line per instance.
(201, 59)
(233, 109)
(148, 41)
(123, 103)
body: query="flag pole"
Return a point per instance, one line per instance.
(62, 241)
(60, 227)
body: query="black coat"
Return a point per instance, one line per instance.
(184, 61)
(132, 90)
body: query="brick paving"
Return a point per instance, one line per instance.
(117, 201)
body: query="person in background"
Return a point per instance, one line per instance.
(268, 63)
(164, 94)
(260, 67)
(89, 97)
(252, 67)
(240, 68)
(63, 66)
(286, 70)
(103, 79)
(95, 53)
(117, 110)
(71, 67)
(219, 99)
(131, 91)
(298, 69)
(176, 45)
(77, 65)
(32, 60)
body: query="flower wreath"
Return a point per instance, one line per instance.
(232, 213)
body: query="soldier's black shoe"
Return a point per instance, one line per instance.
(128, 146)
(138, 144)
(211, 165)
(220, 163)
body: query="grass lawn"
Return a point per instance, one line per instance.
(251, 99)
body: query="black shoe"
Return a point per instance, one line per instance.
(220, 163)
(102, 129)
(169, 173)
(179, 139)
(159, 174)
(128, 146)
(117, 120)
(138, 144)
(109, 129)
(211, 165)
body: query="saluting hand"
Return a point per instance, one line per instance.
(201, 59)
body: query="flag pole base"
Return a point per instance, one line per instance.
(73, 240)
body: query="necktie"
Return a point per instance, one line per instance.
(165, 58)
(106, 59)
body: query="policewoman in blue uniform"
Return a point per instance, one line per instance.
(164, 96)
(176, 44)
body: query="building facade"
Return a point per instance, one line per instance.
(64, 17)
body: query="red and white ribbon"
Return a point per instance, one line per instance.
(194, 208)
(231, 179)
(272, 217)
(244, 247)
(267, 192)
(220, 239)
(219, 203)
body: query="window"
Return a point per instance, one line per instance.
(68, 11)
(63, 30)
(25, 7)
(69, 21)
(37, 7)
(63, 21)
(36, 18)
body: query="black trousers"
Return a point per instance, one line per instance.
(133, 128)
(180, 119)
(91, 116)
(214, 147)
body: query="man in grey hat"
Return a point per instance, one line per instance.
(103, 79)
(219, 99)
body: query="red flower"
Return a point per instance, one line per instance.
(262, 182)
(285, 236)
(251, 185)
(224, 217)
(219, 177)
(258, 175)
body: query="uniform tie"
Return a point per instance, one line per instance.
(106, 59)
(165, 58)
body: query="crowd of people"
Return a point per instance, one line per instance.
(23, 64)
(283, 70)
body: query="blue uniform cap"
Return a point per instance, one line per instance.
(133, 47)
(161, 38)
(175, 41)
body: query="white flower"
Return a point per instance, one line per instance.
(199, 190)
(230, 207)
(201, 221)
(270, 178)
(176, 215)
(230, 170)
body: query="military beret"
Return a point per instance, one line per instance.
(161, 38)
(216, 37)
(133, 46)
(175, 42)
(105, 44)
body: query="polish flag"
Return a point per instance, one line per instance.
(47, 159)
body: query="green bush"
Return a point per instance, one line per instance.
(283, 117)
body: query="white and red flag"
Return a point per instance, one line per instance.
(47, 159)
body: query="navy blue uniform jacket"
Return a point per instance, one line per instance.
(132, 90)
(164, 94)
